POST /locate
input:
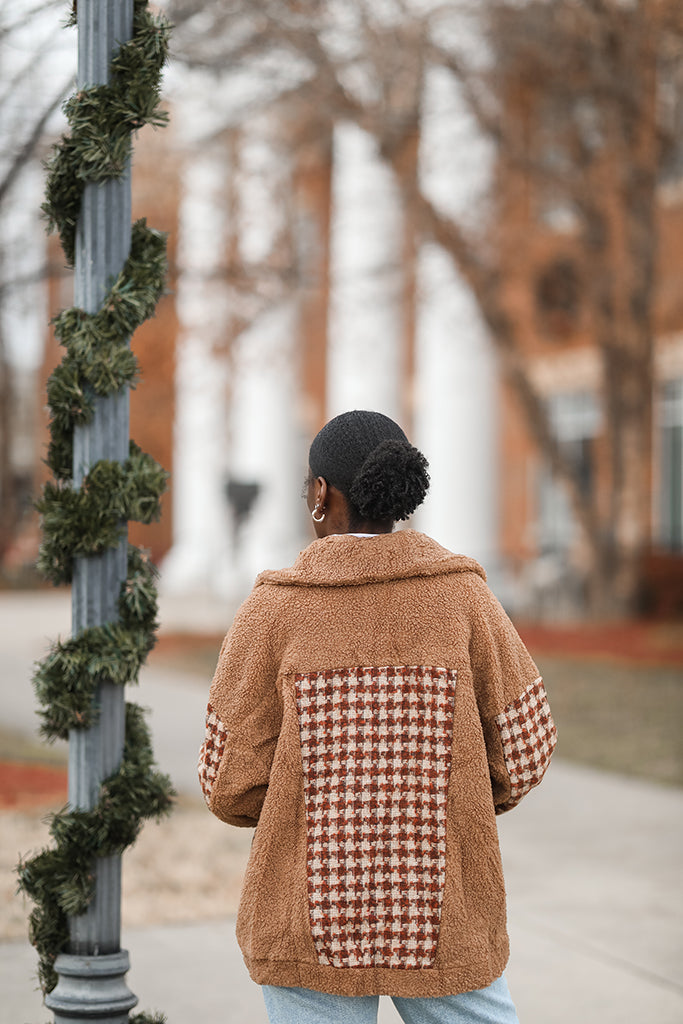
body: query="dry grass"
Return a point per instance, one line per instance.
(187, 868)
(625, 718)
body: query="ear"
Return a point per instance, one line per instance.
(320, 491)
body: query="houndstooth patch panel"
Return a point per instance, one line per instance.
(376, 753)
(211, 752)
(528, 734)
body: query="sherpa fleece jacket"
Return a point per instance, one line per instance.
(372, 710)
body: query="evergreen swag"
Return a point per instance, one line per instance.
(102, 119)
(87, 521)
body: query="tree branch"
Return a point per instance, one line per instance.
(485, 285)
(26, 151)
(28, 16)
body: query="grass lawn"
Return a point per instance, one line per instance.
(610, 713)
(624, 717)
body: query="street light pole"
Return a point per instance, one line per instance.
(92, 974)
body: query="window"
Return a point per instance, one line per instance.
(670, 101)
(576, 419)
(671, 466)
(558, 295)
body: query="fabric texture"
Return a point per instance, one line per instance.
(377, 851)
(212, 751)
(528, 737)
(372, 710)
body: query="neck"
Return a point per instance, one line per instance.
(369, 527)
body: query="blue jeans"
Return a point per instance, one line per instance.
(491, 1005)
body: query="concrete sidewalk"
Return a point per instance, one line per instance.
(592, 864)
(593, 870)
(31, 621)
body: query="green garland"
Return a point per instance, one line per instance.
(113, 653)
(86, 521)
(102, 119)
(98, 360)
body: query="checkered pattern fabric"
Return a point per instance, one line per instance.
(211, 752)
(529, 736)
(376, 752)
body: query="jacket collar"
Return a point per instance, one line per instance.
(343, 560)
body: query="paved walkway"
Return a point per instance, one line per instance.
(592, 864)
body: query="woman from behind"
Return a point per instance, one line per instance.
(372, 711)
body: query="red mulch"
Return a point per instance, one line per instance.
(641, 641)
(172, 643)
(26, 785)
(638, 642)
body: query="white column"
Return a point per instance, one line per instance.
(200, 558)
(36, 60)
(365, 326)
(267, 447)
(23, 252)
(455, 418)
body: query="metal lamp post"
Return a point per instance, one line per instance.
(92, 974)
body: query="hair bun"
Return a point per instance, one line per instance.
(391, 483)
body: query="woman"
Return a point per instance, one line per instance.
(372, 710)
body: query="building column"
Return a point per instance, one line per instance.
(455, 416)
(200, 559)
(267, 442)
(366, 338)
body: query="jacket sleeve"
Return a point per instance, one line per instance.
(518, 728)
(243, 717)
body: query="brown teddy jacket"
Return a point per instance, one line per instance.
(372, 710)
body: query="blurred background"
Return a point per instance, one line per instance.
(467, 216)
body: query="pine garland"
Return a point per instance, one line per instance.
(60, 880)
(98, 360)
(85, 521)
(102, 119)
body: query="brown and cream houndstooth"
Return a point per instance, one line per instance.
(375, 865)
(211, 753)
(376, 755)
(528, 735)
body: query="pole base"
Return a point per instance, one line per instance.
(91, 988)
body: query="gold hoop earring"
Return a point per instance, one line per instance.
(317, 519)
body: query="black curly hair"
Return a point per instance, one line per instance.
(367, 457)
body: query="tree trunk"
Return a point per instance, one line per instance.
(625, 335)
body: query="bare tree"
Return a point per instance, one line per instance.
(590, 134)
(590, 74)
(29, 101)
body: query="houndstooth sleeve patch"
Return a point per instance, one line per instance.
(528, 734)
(376, 756)
(211, 752)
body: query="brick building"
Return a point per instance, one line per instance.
(562, 284)
(301, 285)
